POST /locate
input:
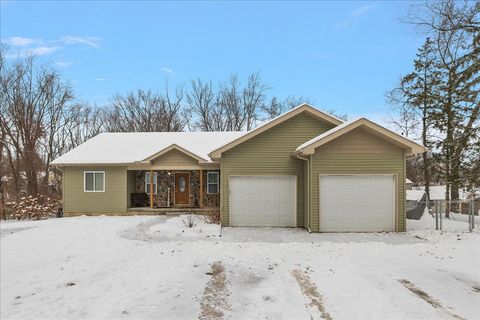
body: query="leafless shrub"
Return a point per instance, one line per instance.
(36, 208)
(189, 221)
(212, 216)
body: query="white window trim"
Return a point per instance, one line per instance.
(85, 181)
(155, 176)
(217, 183)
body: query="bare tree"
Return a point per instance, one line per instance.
(231, 107)
(406, 122)
(202, 105)
(32, 104)
(145, 111)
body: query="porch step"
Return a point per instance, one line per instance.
(166, 211)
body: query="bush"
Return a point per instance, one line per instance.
(190, 221)
(33, 208)
(212, 216)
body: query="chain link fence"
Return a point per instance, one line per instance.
(451, 216)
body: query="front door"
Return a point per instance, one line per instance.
(182, 188)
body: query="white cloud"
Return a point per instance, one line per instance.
(89, 41)
(63, 64)
(42, 50)
(168, 71)
(100, 79)
(21, 41)
(23, 46)
(354, 16)
(35, 51)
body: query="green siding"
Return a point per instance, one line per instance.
(359, 152)
(113, 200)
(271, 153)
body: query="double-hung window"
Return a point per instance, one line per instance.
(147, 182)
(212, 182)
(94, 181)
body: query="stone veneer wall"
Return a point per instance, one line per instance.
(166, 183)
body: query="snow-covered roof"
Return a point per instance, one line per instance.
(408, 181)
(310, 145)
(439, 192)
(415, 195)
(127, 148)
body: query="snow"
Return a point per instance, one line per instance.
(127, 148)
(456, 222)
(144, 267)
(177, 229)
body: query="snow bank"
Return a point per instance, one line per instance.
(176, 228)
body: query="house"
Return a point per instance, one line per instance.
(409, 184)
(304, 168)
(438, 201)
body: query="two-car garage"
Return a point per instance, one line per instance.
(303, 169)
(347, 203)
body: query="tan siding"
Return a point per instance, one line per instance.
(113, 200)
(359, 152)
(270, 153)
(174, 158)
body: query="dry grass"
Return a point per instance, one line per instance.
(310, 290)
(214, 300)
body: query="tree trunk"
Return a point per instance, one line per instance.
(31, 173)
(426, 173)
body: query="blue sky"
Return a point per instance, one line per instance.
(342, 55)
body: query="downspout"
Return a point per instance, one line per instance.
(308, 189)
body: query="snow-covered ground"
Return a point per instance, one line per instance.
(145, 267)
(456, 222)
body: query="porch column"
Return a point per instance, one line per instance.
(201, 188)
(151, 188)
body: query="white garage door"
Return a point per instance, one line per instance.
(357, 203)
(262, 201)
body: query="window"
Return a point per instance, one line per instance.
(181, 183)
(212, 182)
(94, 181)
(147, 182)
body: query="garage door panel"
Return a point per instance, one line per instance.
(357, 203)
(262, 201)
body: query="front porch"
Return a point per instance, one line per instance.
(168, 211)
(172, 191)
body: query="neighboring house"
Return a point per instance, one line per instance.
(409, 184)
(304, 168)
(462, 205)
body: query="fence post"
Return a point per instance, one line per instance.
(436, 214)
(441, 215)
(471, 214)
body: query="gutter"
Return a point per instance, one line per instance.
(296, 155)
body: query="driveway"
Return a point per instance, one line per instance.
(151, 267)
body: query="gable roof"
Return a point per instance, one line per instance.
(131, 147)
(176, 147)
(305, 107)
(309, 147)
